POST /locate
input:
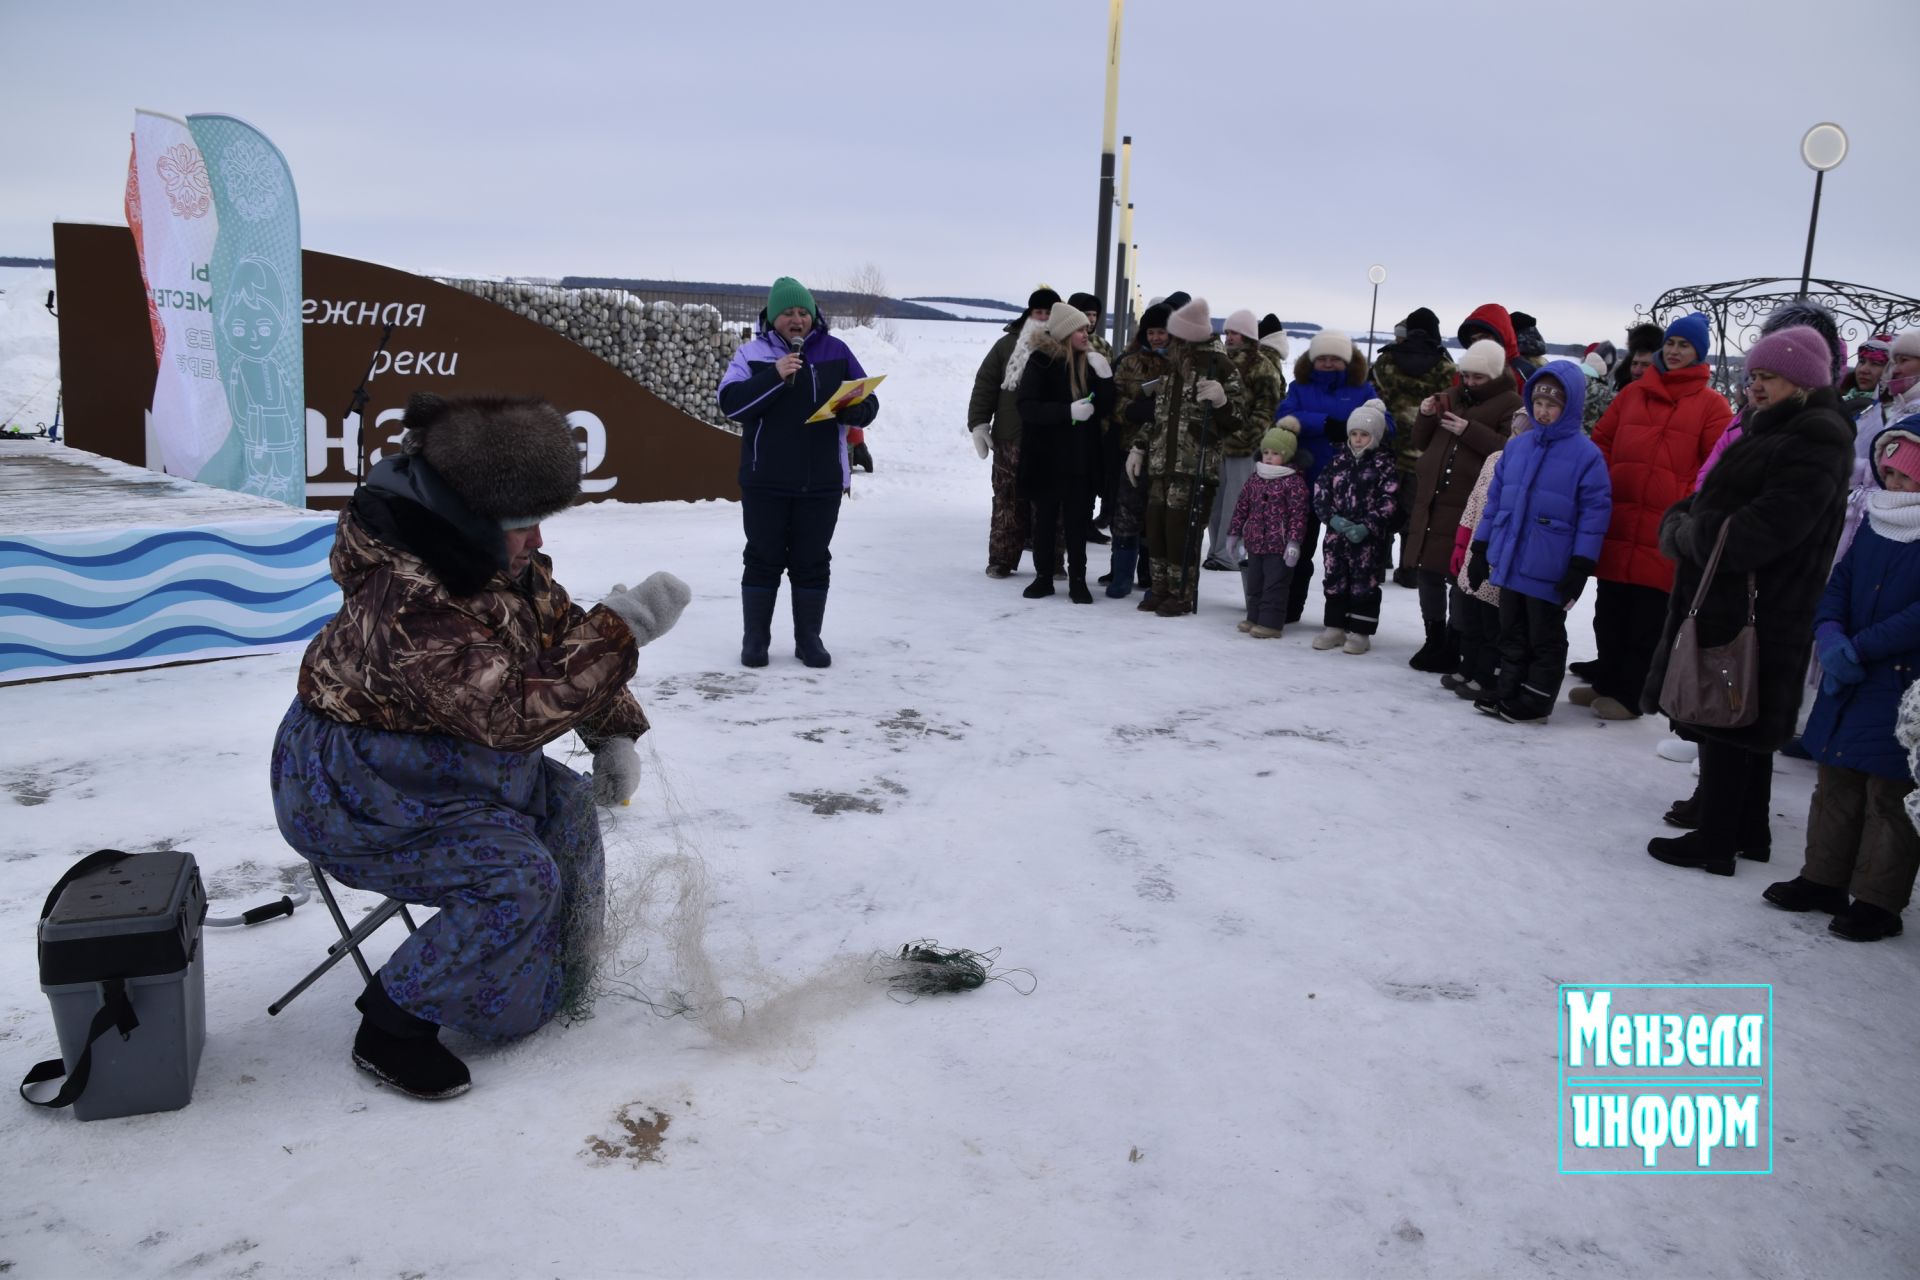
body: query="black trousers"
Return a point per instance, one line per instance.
(1303, 572)
(1357, 613)
(1533, 651)
(788, 533)
(1477, 623)
(1627, 625)
(1064, 511)
(1736, 792)
(1433, 596)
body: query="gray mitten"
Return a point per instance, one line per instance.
(616, 772)
(650, 609)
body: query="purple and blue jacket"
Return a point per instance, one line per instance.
(780, 451)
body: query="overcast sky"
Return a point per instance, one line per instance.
(1566, 159)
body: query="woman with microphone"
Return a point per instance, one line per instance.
(792, 472)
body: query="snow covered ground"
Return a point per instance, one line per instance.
(1296, 920)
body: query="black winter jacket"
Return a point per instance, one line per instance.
(1782, 490)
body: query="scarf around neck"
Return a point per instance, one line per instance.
(1894, 516)
(1272, 471)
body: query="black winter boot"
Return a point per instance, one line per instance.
(1126, 551)
(809, 610)
(756, 608)
(1042, 585)
(1684, 814)
(1077, 589)
(1802, 894)
(1432, 656)
(1864, 922)
(405, 1051)
(1694, 849)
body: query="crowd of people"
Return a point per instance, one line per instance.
(410, 761)
(1743, 548)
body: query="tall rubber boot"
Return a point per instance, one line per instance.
(756, 608)
(809, 609)
(1126, 556)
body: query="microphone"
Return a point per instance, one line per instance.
(793, 348)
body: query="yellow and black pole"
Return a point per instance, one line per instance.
(1126, 238)
(1106, 150)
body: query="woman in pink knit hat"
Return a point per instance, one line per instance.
(1780, 497)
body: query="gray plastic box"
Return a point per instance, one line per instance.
(124, 921)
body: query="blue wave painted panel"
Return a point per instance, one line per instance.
(96, 599)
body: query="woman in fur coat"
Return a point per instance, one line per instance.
(1066, 392)
(1780, 494)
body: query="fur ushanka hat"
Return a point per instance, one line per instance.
(511, 459)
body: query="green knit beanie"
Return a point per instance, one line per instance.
(1281, 441)
(786, 294)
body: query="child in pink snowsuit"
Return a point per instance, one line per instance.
(1270, 519)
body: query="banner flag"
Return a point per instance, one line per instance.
(214, 213)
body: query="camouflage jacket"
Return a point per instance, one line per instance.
(1600, 394)
(511, 667)
(1173, 439)
(1133, 371)
(1097, 343)
(1260, 373)
(1403, 393)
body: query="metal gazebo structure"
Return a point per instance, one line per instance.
(1737, 308)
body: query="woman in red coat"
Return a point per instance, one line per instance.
(1655, 436)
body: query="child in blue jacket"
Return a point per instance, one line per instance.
(1859, 837)
(1548, 507)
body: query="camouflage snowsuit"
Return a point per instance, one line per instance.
(410, 765)
(1182, 444)
(1139, 366)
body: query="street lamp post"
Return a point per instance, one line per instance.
(1126, 237)
(1105, 235)
(1377, 274)
(1822, 148)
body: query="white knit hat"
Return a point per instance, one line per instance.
(1191, 323)
(1276, 342)
(1243, 323)
(1371, 418)
(1064, 321)
(1907, 342)
(1595, 365)
(1331, 342)
(1485, 357)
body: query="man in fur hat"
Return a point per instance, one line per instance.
(993, 419)
(410, 762)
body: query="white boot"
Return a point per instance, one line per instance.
(1678, 750)
(1331, 638)
(1358, 643)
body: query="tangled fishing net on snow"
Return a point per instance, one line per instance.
(653, 949)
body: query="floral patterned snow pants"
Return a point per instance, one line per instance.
(504, 843)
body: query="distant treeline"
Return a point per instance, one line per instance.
(25, 262)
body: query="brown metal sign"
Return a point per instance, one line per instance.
(634, 446)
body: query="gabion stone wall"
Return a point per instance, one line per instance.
(676, 352)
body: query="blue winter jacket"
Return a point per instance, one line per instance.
(780, 451)
(1316, 399)
(1549, 499)
(1874, 598)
